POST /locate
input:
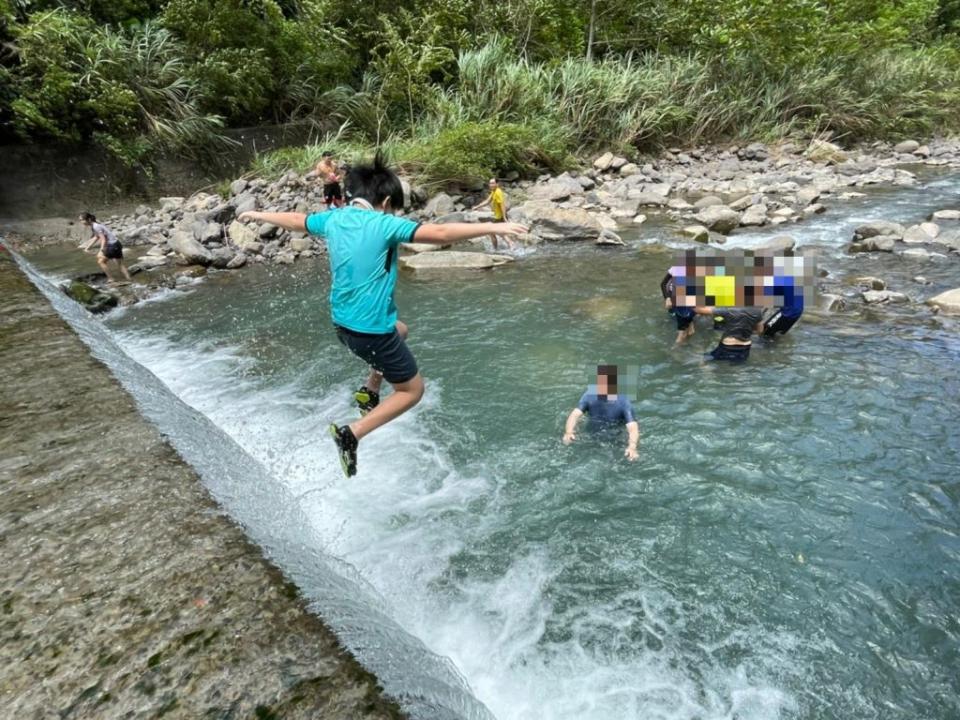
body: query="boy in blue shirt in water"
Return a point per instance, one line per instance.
(605, 408)
(362, 241)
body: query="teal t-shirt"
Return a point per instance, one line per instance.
(362, 245)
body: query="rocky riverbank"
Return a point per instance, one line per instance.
(701, 194)
(125, 590)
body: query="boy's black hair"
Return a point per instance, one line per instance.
(88, 217)
(374, 182)
(610, 373)
(326, 153)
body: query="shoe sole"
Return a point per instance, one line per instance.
(343, 462)
(362, 398)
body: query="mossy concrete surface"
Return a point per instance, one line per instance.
(124, 590)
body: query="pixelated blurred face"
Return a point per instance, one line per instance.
(723, 290)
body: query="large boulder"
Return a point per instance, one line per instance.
(555, 223)
(917, 234)
(879, 227)
(719, 218)
(439, 204)
(220, 257)
(187, 246)
(755, 216)
(205, 232)
(602, 163)
(821, 151)
(559, 189)
(452, 260)
(947, 302)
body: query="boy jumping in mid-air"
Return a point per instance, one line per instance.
(362, 241)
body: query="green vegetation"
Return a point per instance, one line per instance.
(459, 89)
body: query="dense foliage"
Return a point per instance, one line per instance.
(461, 88)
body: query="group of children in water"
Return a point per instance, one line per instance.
(362, 239)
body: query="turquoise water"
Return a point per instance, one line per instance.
(786, 546)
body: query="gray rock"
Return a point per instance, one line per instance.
(587, 182)
(947, 302)
(871, 282)
(917, 234)
(907, 146)
(221, 257)
(875, 297)
(247, 202)
(821, 151)
(285, 257)
(639, 219)
(618, 162)
(920, 280)
(238, 186)
(148, 262)
(661, 189)
(678, 204)
(948, 238)
(439, 204)
(187, 247)
(242, 234)
(268, 231)
(629, 169)
(171, 204)
(452, 260)
(299, 244)
(879, 227)
(421, 247)
(93, 299)
(945, 215)
(745, 202)
(877, 243)
(719, 218)
(754, 216)
(807, 195)
(557, 190)
(608, 237)
(922, 152)
(555, 223)
(707, 201)
(779, 244)
(603, 162)
(648, 199)
(205, 232)
(831, 303)
(814, 209)
(916, 254)
(697, 233)
(237, 261)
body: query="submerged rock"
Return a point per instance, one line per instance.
(90, 297)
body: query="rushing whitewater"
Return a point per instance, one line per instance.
(786, 546)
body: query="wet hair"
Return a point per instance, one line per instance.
(88, 217)
(374, 182)
(326, 154)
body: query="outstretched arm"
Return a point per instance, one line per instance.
(633, 437)
(484, 203)
(446, 233)
(296, 222)
(569, 431)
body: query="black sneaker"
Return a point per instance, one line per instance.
(346, 447)
(366, 399)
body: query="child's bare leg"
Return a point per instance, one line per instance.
(105, 266)
(123, 268)
(405, 396)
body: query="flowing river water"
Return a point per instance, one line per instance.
(786, 546)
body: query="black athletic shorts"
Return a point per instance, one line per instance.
(684, 316)
(113, 251)
(777, 323)
(387, 353)
(733, 353)
(331, 192)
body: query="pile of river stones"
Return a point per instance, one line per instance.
(706, 193)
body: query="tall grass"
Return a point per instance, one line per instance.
(645, 101)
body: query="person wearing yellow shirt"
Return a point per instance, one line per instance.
(497, 200)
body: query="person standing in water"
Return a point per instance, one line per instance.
(684, 315)
(329, 173)
(362, 241)
(497, 200)
(110, 248)
(737, 326)
(605, 408)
